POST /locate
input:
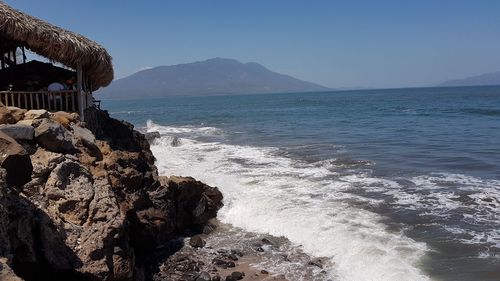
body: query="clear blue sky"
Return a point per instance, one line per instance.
(334, 43)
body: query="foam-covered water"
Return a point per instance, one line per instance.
(389, 185)
(268, 193)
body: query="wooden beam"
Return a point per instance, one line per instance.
(79, 85)
(24, 54)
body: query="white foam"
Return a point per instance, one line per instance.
(267, 193)
(439, 195)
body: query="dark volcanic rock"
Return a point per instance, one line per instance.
(196, 201)
(15, 160)
(204, 276)
(53, 136)
(237, 275)
(197, 242)
(151, 136)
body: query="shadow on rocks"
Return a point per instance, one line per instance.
(38, 249)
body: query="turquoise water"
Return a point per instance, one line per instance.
(407, 177)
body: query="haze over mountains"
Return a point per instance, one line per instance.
(209, 77)
(492, 78)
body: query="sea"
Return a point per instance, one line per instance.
(392, 184)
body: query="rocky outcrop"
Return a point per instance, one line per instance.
(196, 202)
(81, 203)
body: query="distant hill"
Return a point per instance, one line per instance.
(213, 76)
(492, 78)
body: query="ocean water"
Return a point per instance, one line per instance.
(399, 184)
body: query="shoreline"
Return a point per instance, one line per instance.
(224, 252)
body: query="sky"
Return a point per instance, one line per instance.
(339, 44)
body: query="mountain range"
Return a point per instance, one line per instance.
(209, 77)
(492, 78)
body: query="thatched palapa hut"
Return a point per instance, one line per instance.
(24, 84)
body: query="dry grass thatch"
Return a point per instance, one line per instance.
(56, 44)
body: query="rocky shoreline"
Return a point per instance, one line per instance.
(83, 201)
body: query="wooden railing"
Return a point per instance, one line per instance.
(51, 101)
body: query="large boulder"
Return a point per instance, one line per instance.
(17, 113)
(64, 118)
(54, 136)
(196, 202)
(15, 160)
(18, 131)
(36, 114)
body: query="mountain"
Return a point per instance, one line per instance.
(492, 78)
(209, 77)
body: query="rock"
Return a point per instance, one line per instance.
(230, 264)
(60, 119)
(209, 228)
(6, 273)
(93, 220)
(45, 161)
(175, 141)
(219, 262)
(216, 278)
(204, 276)
(18, 132)
(54, 136)
(6, 116)
(17, 113)
(15, 160)
(151, 136)
(36, 114)
(196, 201)
(237, 275)
(83, 134)
(268, 241)
(263, 271)
(28, 122)
(237, 252)
(197, 242)
(316, 262)
(64, 118)
(86, 138)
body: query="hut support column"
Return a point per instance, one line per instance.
(79, 83)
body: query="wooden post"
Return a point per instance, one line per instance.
(79, 83)
(24, 54)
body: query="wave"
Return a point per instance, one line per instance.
(482, 111)
(310, 204)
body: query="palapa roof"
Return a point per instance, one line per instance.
(54, 43)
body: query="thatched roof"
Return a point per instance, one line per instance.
(56, 44)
